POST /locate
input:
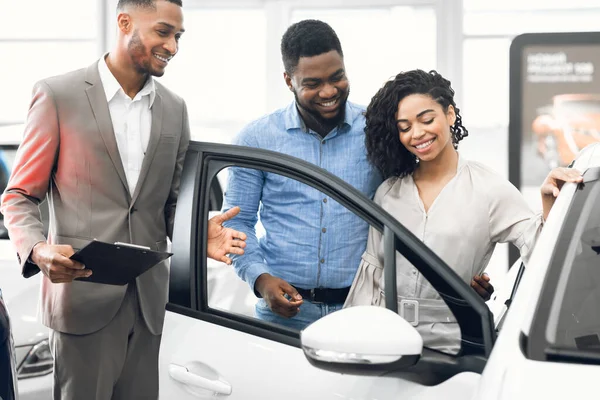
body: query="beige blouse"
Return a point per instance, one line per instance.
(473, 212)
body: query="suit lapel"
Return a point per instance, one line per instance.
(155, 130)
(97, 99)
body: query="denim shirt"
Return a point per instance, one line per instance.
(310, 241)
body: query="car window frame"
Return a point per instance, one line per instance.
(535, 345)
(187, 288)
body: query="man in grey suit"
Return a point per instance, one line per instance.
(105, 145)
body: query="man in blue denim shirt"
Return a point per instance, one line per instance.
(303, 267)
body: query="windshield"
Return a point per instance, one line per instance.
(573, 324)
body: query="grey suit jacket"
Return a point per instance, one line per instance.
(69, 155)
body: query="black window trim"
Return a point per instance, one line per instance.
(12, 146)
(536, 345)
(466, 305)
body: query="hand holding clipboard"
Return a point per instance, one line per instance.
(117, 263)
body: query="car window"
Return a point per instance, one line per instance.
(321, 246)
(225, 290)
(575, 321)
(572, 291)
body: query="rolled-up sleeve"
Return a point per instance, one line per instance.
(244, 189)
(511, 219)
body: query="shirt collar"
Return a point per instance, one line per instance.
(112, 86)
(293, 119)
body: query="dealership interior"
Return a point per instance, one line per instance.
(229, 70)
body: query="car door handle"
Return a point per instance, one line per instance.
(183, 375)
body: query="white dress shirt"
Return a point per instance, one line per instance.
(131, 119)
(473, 212)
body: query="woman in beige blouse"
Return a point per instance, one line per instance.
(459, 208)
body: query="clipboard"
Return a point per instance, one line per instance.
(117, 263)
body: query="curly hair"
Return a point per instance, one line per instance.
(307, 38)
(384, 149)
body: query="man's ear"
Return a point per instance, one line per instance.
(124, 22)
(288, 81)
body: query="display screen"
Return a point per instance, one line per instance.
(554, 104)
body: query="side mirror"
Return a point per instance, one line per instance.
(361, 340)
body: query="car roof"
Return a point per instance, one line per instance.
(11, 134)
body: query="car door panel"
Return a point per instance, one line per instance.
(258, 368)
(268, 370)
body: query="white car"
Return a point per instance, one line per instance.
(213, 346)
(547, 347)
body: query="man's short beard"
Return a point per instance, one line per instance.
(327, 123)
(136, 50)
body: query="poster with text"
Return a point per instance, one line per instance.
(554, 104)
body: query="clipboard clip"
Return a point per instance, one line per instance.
(135, 246)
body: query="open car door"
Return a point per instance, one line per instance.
(218, 348)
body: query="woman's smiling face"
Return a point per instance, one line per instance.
(423, 126)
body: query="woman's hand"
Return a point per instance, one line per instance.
(554, 182)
